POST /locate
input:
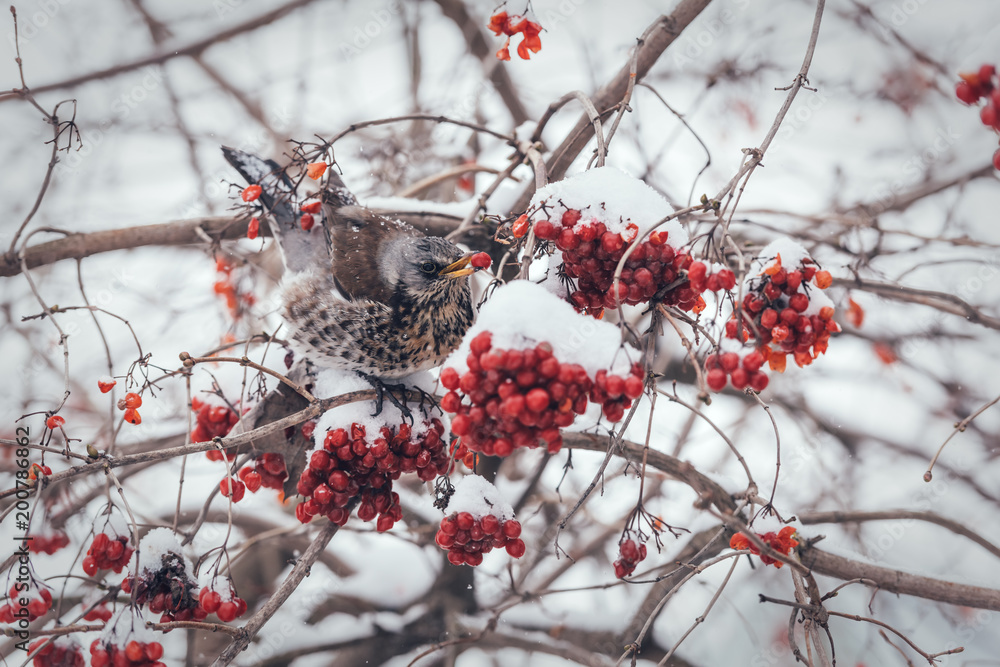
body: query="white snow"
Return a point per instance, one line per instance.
(792, 254)
(123, 627)
(522, 314)
(609, 195)
(156, 544)
(332, 382)
(473, 494)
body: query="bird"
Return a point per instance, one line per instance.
(370, 294)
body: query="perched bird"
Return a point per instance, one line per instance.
(368, 294)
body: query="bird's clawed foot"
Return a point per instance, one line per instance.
(386, 391)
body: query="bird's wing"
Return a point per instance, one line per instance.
(300, 250)
(358, 235)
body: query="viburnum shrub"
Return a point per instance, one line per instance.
(982, 85)
(783, 542)
(356, 465)
(480, 521)
(60, 652)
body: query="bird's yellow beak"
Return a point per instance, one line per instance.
(459, 269)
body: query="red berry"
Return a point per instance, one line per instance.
(464, 521)
(729, 361)
(633, 387)
(251, 193)
(740, 378)
(133, 400)
(629, 551)
(307, 221)
(512, 529)
(134, 650)
(799, 302)
(520, 226)
(967, 93)
(253, 229)
(996, 159)
(481, 260)
(753, 361)
(758, 381)
(132, 417)
(571, 217)
(515, 548)
(154, 651)
(106, 385)
(716, 379)
(54, 422)
(537, 399)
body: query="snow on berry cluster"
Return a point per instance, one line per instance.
(358, 456)
(213, 419)
(783, 312)
(528, 367)
(126, 642)
(630, 555)
(219, 597)
(30, 600)
(60, 652)
(480, 522)
(164, 579)
(979, 85)
(48, 544)
(593, 236)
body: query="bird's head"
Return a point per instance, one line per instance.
(425, 266)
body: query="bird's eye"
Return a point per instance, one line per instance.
(428, 267)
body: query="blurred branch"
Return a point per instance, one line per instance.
(808, 518)
(895, 581)
(948, 303)
(655, 41)
(178, 233)
(192, 49)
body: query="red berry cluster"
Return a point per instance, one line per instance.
(773, 312)
(654, 269)
(227, 607)
(213, 421)
(133, 654)
(131, 404)
(631, 555)
(467, 538)
(268, 471)
(58, 653)
(521, 398)
(349, 467)
(107, 553)
(39, 601)
(726, 366)
(975, 86)
(48, 544)
(783, 542)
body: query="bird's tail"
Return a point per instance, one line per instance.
(301, 249)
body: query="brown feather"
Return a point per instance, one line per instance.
(358, 235)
